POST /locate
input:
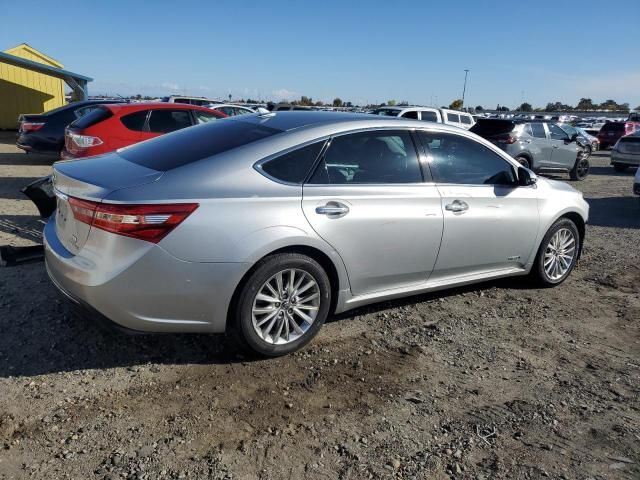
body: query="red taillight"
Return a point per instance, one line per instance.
(508, 139)
(150, 222)
(31, 126)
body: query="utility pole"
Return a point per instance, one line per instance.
(464, 89)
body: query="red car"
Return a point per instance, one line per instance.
(110, 127)
(611, 132)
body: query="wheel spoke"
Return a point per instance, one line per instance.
(303, 315)
(306, 287)
(310, 297)
(266, 298)
(267, 318)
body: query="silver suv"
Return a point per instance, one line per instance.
(539, 146)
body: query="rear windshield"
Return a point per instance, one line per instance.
(195, 143)
(630, 139)
(613, 127)
(93, 117)
(488, 127)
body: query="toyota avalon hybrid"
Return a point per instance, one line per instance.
(263, 225)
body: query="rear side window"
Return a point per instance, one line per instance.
(165, 121)
(429, 116)
(193, 144)
(466, 120)
(453, 117)
(204, 117)
(90, 119)
(410, 114)
(538, 130)
(293, 167)
(527, 130)
(135, 121)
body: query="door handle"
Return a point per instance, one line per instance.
(332, 209)
(457, 206)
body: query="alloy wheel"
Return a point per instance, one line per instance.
(559, 254)
(286, 306)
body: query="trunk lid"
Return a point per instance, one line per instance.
(92, 179)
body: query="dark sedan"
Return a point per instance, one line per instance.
(44, 133)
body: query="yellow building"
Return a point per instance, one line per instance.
(32, 82)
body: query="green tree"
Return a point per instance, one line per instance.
(479, 108)
(337, 102)
(456, 104)
(585, 104)
(391, 103)
(525, 107)
(306, 101)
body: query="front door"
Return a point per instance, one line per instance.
(368, 200)
(490, 223)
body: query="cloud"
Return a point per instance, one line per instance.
(170, 85)
(283, 94)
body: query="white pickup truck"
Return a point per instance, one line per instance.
(429, 114)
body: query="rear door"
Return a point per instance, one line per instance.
(369, 201)
(544, 146)
(166, 120)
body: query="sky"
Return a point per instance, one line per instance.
(360, 51)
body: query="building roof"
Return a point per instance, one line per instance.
(40, 67)
(26, 48)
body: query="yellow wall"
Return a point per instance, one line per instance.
(25, 91)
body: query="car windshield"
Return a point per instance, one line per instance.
(195, 143)
(386, 112)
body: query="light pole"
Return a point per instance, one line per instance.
(464, 89)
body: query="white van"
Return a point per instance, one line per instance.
(201, 101)
(429, 114)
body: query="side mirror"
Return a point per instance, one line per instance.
(526, 177)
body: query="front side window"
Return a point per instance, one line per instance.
(538, 130)
(165, 121)
(429, 116)
(293, 167)
(465, 119)
(455, 159)
(376, 157)
(386, 112)
(453, 117)
(556, 132)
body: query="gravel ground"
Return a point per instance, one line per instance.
(493, 381)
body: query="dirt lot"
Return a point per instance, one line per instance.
(493, 381)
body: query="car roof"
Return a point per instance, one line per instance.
(134, 107)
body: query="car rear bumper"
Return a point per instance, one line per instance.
(631, 159)
(144, 289)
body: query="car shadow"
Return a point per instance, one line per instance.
(615, 212)
(42, 335)
(19, 159)
(629, 172)
(10, 187)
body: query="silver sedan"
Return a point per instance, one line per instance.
(263, 225)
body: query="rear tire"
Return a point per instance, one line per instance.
(557, 254)
(580, 170)
(274, 315)
(619, 168)
(524, 161)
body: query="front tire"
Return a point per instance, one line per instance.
(281, 306)
(557, 254)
